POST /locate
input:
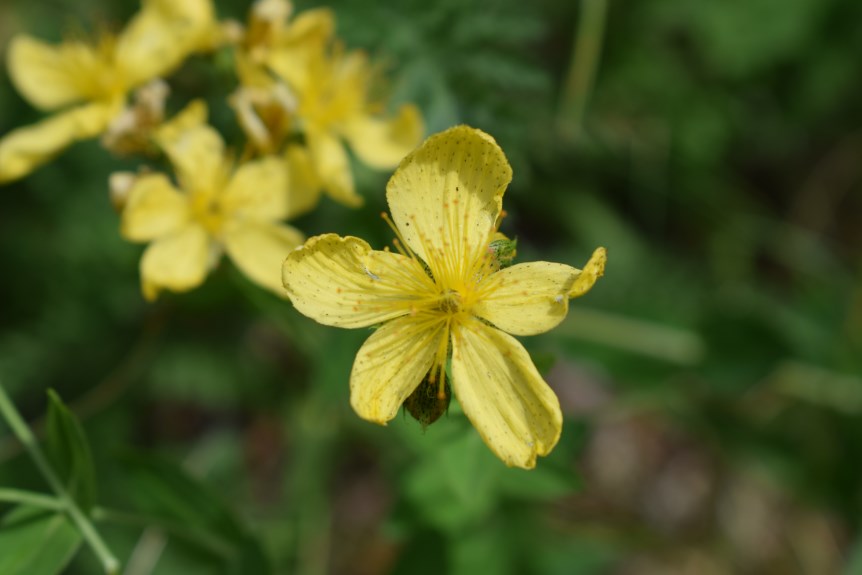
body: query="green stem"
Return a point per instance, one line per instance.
(30, 498)
(635, 335)
(586, 51)
(27, 439)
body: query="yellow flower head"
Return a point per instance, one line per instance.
(332, 89)
(93, 80)
(216, 207)
(445, 297)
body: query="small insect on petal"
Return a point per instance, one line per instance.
(371, 274)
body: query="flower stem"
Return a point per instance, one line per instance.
(586, 51)
(25, 436)
(29, 498)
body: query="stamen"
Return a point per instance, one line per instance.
(440, 361)
(400, 248)
(400, 244)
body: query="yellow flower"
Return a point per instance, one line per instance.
(332, 91)
(445, 297)
(217, 207)
(90, 82)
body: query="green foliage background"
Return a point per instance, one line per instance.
(711, 381)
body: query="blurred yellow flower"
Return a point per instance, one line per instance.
(90, 82)
(445, 297)
(217, 207)
(330, 92)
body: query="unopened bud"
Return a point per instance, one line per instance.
(426, 404)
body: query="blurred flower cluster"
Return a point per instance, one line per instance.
(299, 95)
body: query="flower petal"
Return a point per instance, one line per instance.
(177, 262)
(259, 249)
(503, 395)
(391, 364)
(333, 166)
(304, 187)
(51, 76)
(197, 154)
(594, 269)
(300, 48)
(343, 282)
(194, 115)
(25, 149)
(258, 190)
(528, 298)
(161, 36)
(449, 192)
(154, 208)
(383, 143)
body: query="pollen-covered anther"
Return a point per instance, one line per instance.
(451, 302)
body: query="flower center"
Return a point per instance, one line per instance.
(451, 303)
(206, 210)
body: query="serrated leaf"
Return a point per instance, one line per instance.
(69, 452)
(34, 541)
(165, 491)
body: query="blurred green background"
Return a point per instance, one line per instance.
(711, 381)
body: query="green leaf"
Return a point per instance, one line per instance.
(455, 486)
(165, 491)
(544, 482)
(34, 541)
(483, 550)
(69, 452)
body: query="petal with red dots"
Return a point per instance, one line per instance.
(392, 363)
(527, 298)
(446, 196)
(343, 282)
(503, 395)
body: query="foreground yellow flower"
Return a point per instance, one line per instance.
(217, 207)
(332, 90)
(445, 297)
(92, 81)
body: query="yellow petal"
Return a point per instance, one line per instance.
(161, 36)
(446, 196)
(51, 76)
(318, 23)
(594, 269)
(300, 47)
(258, 190)
(343, 282)
(25, 149)
(197, 155)
(391, 364)
(259, 249)
(153, 208)
(527, 299)
(503, 395)
(177, 262)
(194, 115)
(304, 184)
(383, 143)
(332, 166)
